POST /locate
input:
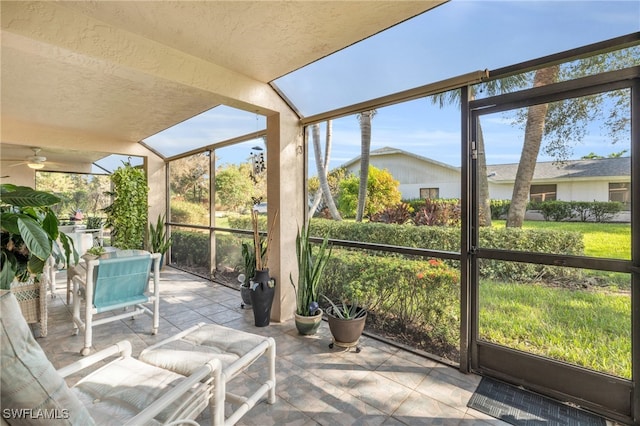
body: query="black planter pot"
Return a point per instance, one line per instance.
(262, 298)
(245, 294)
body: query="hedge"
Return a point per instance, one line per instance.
(413, 294)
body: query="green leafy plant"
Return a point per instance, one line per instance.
(310, 268)
(96, 251)
(29, 229)
(158, 241)
(127, 215)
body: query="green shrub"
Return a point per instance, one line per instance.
(499, 208)
(413, 294)
(190, 248)
(529, 240)
(581, 210)
(556, 210)
(603, 211)
(447, 238)
(189, 213)
(600, 211)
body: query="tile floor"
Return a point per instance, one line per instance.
(381, 385)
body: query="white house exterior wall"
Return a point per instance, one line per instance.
(413, 174)
(500, 191)
(592, 190)
(446, 190)
(583, 191)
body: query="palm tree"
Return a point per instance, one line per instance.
(323, 169)
(491, 88)
(365, 148)
(534, 131)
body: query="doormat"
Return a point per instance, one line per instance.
(524, 408)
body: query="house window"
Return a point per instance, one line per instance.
(429, 193)
(542, 193)
(620, 192)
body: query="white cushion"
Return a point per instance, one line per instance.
(123, 388)
(29, 380)
(196, 348)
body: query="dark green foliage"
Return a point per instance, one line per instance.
(94, 222)
(190, 248)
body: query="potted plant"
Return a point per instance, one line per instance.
(346, 323)
(311, 265)
(158, 241)
(261, 285)
(28, 233)
(94, 253)
(248, 271)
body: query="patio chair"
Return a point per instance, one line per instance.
(118, 282)
(125, 391)
(236, 350)
(81, 242)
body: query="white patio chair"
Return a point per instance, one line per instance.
(118, 282)
(125, 391)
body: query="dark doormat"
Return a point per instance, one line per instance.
(521, 407)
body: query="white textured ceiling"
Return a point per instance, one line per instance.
(123, 70)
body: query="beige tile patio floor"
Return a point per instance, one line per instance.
(381, 385)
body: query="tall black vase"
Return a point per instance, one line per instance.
(262, 298)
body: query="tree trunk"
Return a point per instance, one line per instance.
(322, 167)
(365, 148)
(484, 199)
(534, 131)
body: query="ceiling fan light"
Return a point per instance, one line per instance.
(35, 166)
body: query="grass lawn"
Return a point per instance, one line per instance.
(588, 328)
(612, 240)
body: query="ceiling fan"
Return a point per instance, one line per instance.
(35, 161)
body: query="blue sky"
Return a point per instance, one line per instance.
(456, 38)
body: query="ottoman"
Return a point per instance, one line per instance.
(236, 350)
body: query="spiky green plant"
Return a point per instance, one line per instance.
(345, 311)
(158, 241)
(310, 268)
